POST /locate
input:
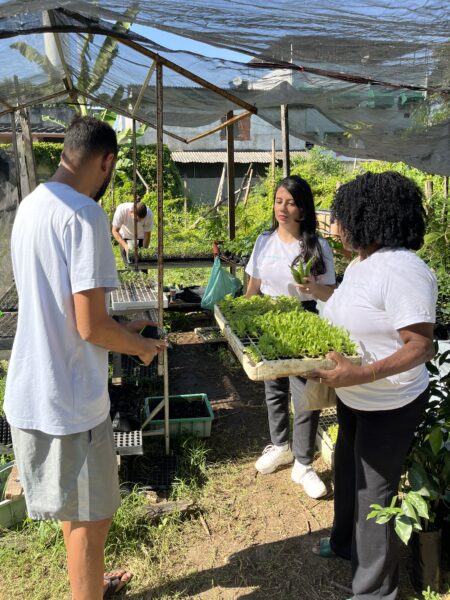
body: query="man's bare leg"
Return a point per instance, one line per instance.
(85, 543)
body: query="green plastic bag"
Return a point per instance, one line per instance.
(219, 285)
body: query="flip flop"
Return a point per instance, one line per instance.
(115, 584)
(323, 548)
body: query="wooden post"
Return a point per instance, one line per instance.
(16, 157)
(244, 185)
(160, 194)
(136, 249)
(428, 189)
(27, 147)
(230, 178)
(220, 188)
(185, 194)
(247, 191)
(273, 165)
(285, 136)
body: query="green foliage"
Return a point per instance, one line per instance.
(146, 157)
(332, 432)
(425, 487)
(133, 277)
(323, 172)
(282, 329)
(47, 154)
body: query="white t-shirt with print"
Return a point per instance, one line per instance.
(123, 220)
(389, 290)
(270, 262)
(60, 245)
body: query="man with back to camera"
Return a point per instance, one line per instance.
(123, 225)
(56, 398)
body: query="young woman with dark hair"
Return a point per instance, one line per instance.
(387, 302)
(291, 239)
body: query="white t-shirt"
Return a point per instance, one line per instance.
(124, 221)
(270, 262)
(391, 289)
(60, 244)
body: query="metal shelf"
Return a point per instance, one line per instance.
(10, 300)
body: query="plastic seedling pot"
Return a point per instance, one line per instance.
(11, 511)
(189, 414)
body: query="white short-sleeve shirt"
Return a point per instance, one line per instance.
(60, 245)
(123, 220)
(270, 262)
(389, 290)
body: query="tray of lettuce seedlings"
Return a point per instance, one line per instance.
(275, 337)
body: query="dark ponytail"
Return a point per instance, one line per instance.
(308, 242)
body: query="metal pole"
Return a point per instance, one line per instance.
(273, 165)
(160, 194)
(136, 250)
(285, 136)
(230, 178)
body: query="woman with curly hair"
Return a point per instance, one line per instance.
(387, 302)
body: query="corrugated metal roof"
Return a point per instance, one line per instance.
(239, 157)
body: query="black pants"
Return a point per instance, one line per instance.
(370, 452)
(305, 421)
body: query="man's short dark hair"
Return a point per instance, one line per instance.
(88, 136)
(141, 210)
(380, 208)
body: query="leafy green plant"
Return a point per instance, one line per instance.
(300, 272)
(332, 432)
(425, 487)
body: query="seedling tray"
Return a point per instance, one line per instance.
(5, 433)
(136, 296)
(129, 442)
(324, 443)
(10, 300)
(188, 414)
(172, 262)
(269, 369)
(8, 326)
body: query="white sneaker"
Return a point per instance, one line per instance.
(273, 457)
(306, 476)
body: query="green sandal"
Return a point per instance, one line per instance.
(323, 548)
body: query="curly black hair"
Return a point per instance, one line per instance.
(380, 208)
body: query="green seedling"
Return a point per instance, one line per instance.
(301, 272)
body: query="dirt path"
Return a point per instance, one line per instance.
(257, 531)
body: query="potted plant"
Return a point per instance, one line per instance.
(423, 513)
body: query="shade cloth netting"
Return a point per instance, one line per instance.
(365, 78)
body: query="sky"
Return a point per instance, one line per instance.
(176, 42)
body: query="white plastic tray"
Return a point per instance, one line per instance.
(136, 296)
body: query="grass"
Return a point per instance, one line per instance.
(36, 549)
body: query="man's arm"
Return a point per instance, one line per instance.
(95, 326)
(119, 238)
(147, 237)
